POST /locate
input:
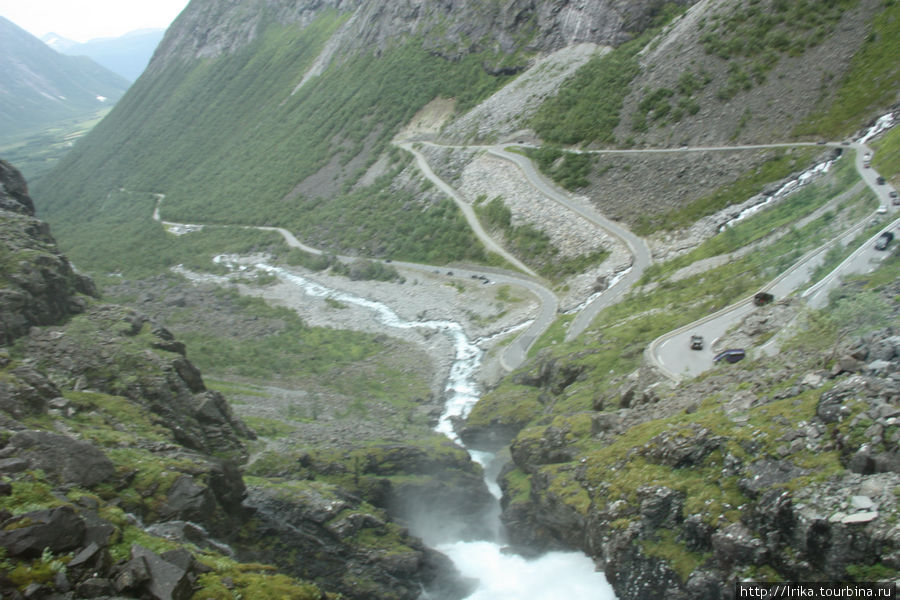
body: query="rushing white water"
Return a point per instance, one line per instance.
(501, 575)
(791, 186)
(882, 124)
(616, 278)
(553, 576)
(461, 390)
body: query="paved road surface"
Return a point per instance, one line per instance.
(640, 252)
(466, 209)
(671, 352)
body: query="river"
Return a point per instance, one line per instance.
(501, 575)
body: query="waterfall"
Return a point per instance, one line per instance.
(501, 575)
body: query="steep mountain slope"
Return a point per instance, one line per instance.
(285, 116)
(126, 55)
(41, 87)
(221, 113)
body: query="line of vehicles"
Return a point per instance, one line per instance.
(733, 355)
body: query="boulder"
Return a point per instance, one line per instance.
(884, 349)
(879, 367)
(132, 575)
(660, 506)
(190, 374)
(550, 373)
(166, 581)
(94, 587)
(25, 392)
(59, 529)
(735, 544)
(188, 500)
(847, 364)
(860, 518)
(65, 459)
(680, 449)
(766, 473)
(90, 558)
(697, 533)
(830, 407)
(188, 533)
(704, 585)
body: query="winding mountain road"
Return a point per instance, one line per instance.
(640, 252)
(671, 353)
(466, 209)
(512, 356)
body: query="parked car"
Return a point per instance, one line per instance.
(895, 197)
(881, 209)
(732, 355)
(762, 298)
(696, 342)
(880, 180)
(884, 240)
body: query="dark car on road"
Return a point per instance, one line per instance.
(762, 298)
(732, 355)
(884, 240)
(696, 342)
(880, 181)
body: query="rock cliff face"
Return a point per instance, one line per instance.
(452, 29)
(803, 477)
(38, 286)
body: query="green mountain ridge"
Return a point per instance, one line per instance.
(126, 55)
(41, 87)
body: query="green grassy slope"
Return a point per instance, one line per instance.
(227, 142)
(871, 83)
(744, 45)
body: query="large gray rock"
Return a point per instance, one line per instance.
(188, 500)
(736, 544)
(677, 449)
(113, 359)
(166, 581)
(65, 459)
(765, 473)
(25, 392)
(27, 535)
(37, 283)
(660, 506)
(132, 575)
(831, 407)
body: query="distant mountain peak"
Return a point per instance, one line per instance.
(125, 55)
(41, 87)
(58, 42)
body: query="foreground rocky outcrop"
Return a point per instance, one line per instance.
(347, 544)
(122, 472)
(785, 469)
(39, 286)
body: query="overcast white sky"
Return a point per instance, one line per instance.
(83, 20)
